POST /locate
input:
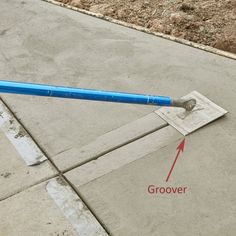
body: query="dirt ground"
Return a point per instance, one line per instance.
(209, 22)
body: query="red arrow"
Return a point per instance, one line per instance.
(179, 148)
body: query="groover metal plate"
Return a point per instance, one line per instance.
(186, 122)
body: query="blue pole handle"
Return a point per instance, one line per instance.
(79, 93)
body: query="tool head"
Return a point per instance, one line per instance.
(199, 112)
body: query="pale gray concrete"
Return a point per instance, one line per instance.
(122, 156)
(110, 141)
(74, 209)
(47, 44)
(17, 152)
(33, 212)
(207, 168)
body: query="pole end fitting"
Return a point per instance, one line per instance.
(188, 104)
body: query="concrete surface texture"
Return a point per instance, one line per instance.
(110, 141)
(206, 169)
(48, 208)
(42, 43)
(33, 212)
(58, 46)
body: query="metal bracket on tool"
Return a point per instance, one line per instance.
(188, 104)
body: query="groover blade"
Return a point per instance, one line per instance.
(186, 122)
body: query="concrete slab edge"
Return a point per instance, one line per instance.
(74, 209)
(20, 139)
(146, 30)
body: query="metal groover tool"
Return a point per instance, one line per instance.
(90, 94)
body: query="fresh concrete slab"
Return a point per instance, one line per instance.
(48, 208)
(206, 169)
(43, 43)
(46, 44)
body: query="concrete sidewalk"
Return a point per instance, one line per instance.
(110, 153)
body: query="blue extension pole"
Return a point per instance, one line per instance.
(79, 93)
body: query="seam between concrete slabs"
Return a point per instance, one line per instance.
(120, 158)
(86, 203)
(146, 30)
(31, 136)
(92, 159)
(44, 153)
(41, 149)
(28, 187)
(114, 148)
(21, 140)
(58, 174)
